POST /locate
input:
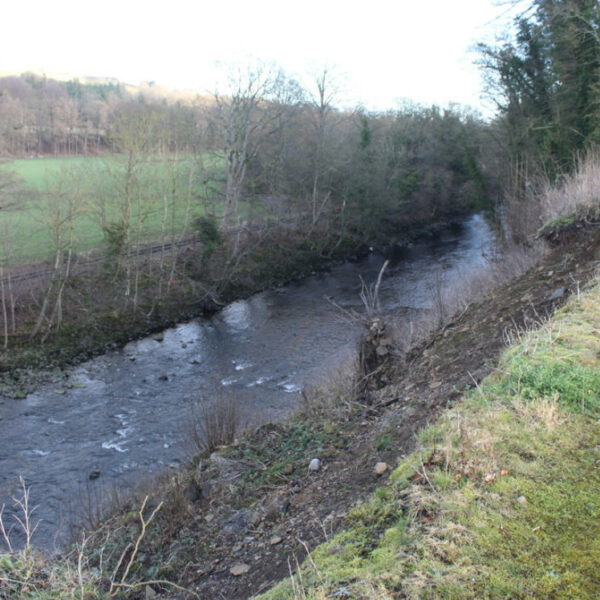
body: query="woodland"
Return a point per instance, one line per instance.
(139, 192)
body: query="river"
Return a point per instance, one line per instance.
(123, 416)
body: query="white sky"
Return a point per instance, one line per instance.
(386, 49)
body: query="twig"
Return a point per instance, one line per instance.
(4, 532)
(81, 549)
(24, 521)
(118, 566)
(135, 586)
(310, 558)
(477, 386)
(351, 316)
(423, 472)
(426, 477)
(142, 534)
(378, 284)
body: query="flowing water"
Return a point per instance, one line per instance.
(124, 415)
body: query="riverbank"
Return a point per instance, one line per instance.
(205, 289)
(125, 415)
(243, 518)
(499, 499)
(354, 442)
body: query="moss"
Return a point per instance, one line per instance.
(551, 227)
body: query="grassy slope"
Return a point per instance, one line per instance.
(502, 498)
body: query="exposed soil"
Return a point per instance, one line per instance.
(290, 509)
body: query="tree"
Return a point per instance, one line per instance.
(64, 205)
(247, 113)
(322, 102)
(545, 83)
(10, 196)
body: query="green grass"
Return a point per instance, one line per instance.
(27, 576)
(560, 359)
(502, 498)
(95, 185)
(38, 173)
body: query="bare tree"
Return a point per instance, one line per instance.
(64, 204)
(323, 98)
(10, 195)
(7, 293)
(245, 120)
(4, 299)
(135, 136)
(177, 176)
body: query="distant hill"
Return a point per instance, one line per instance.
(42, 114)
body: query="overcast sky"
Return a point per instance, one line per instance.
(388, 50)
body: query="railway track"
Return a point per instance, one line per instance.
(148, 250)
(83, 264)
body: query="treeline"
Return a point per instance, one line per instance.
(545, 82)
(281, 143)
(266, 178)
(276, 142)
(40, 116)
(44, 116)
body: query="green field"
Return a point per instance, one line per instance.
(95, 189)
(38, 173)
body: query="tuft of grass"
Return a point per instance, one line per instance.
(214, 424)
(501, 498)
(577, 194)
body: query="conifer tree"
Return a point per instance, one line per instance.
(547, 83)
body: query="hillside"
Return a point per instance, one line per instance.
(498, 499)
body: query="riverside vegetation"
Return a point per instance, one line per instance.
(182, 206)
(466, 509)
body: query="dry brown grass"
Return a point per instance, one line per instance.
(531, 203)
(578, 193)
(336, 395)
(449, 297)
(214, 423)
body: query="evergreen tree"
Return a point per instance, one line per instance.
(547, 82)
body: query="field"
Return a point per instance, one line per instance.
(38, 173)
(166, 193)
